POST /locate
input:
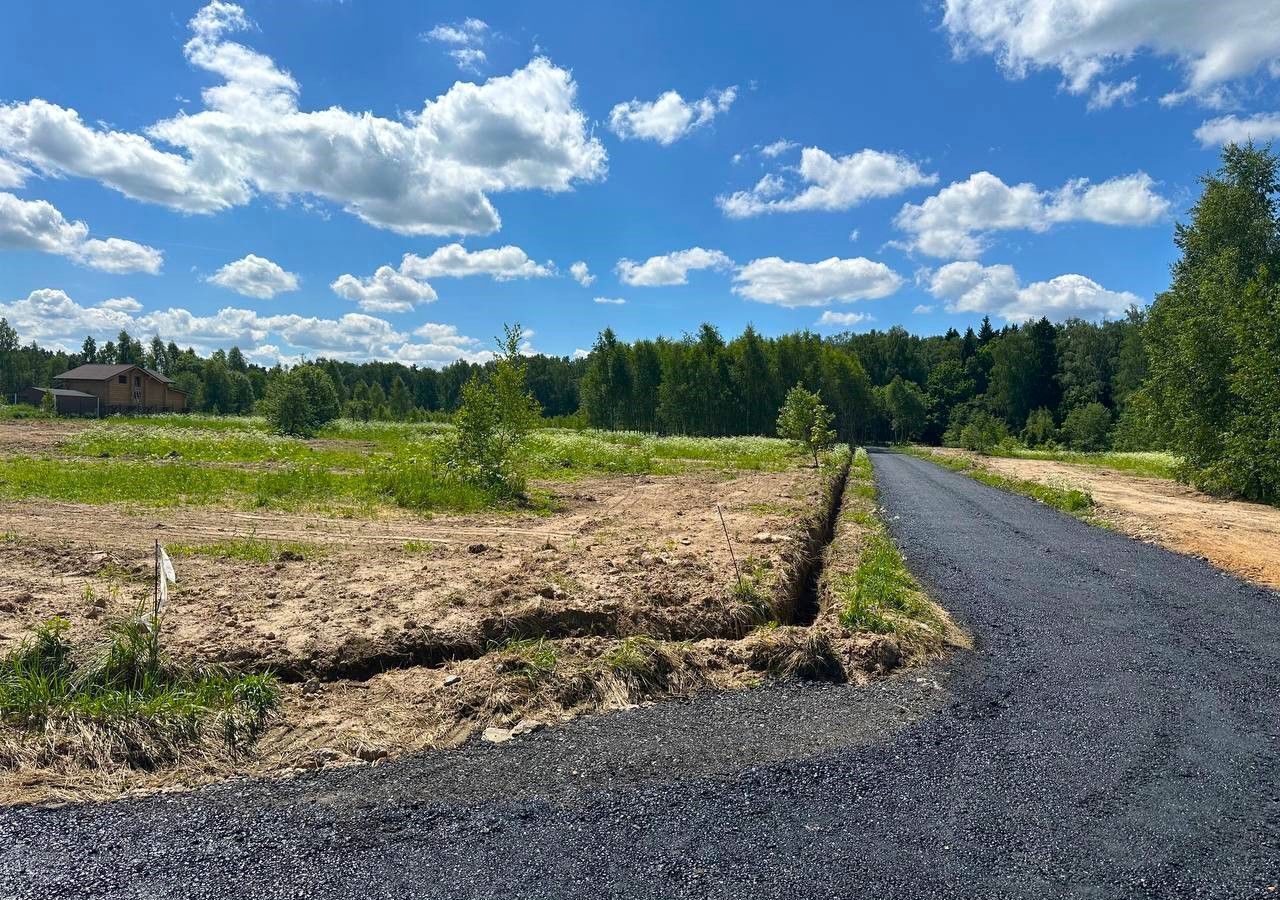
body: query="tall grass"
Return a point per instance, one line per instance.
(170, 460)
(125, 700)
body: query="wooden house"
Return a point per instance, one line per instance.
(124, 387)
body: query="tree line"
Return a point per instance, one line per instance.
(1198, 372)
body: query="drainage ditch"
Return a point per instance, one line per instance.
(798, 598)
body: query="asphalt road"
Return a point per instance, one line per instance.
(1115, 734)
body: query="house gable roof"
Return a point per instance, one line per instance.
(104, 372)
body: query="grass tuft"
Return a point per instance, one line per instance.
(121, 702)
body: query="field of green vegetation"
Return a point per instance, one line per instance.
(352, 467)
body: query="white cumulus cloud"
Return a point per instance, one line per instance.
(958, 220)
(39, 225)
(828, 183)
(1214, 43)
(671, 268)
(387, 290)
(1259, 128)
(970, 287)
(581, 273)
(787, 283)
(831, 319)
(668, 118)
(611, 301)
(430, 172)
(399, 290)
(455, 261)
(51, 317)
(255, 276)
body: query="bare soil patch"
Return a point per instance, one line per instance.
(1242, 538)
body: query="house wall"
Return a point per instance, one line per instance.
(155, 393)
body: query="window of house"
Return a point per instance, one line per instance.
(124, 379)
(137, 381)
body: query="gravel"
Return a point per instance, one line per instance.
(1114, 734)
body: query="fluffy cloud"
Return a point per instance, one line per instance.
(1215, 43)
(385, 291)
(787, 283)
(831, 319)
(582, 274)
(255, 276)
(455, 261)
(612, 301)
(399, 290)
(12, 175)
(957, 220)
(54, 319)
(1259, 128)
(467, 38)
(38, 225)
(973, 288)
(672, 268)
(668, 118)
(122, 304)
(828, 183)
(431, 172)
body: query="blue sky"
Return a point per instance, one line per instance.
(324, 178)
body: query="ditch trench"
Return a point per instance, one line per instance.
(799, 597)
(796, 601)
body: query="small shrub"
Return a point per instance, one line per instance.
(301, 401)
(1087, 427)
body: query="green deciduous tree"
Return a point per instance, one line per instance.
(1210, 337)
(1087, 427)
(300, 401)
(805, 420)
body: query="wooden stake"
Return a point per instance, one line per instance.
(737, 573)
(155, 610)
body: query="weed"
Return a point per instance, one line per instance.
(531, 659)
(417, 547)
(123, 701)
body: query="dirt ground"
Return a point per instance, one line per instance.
(393, 634)
(1242, 538)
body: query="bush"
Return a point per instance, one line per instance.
(493, 422)
(1087, 427)
(1040, 428)
(301, 401)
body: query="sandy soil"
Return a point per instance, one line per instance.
(626, 556)
(388, 633)
(1242, 538)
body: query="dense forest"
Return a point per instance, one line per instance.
(1198, 372)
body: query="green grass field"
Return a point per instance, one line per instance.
(351, 467)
